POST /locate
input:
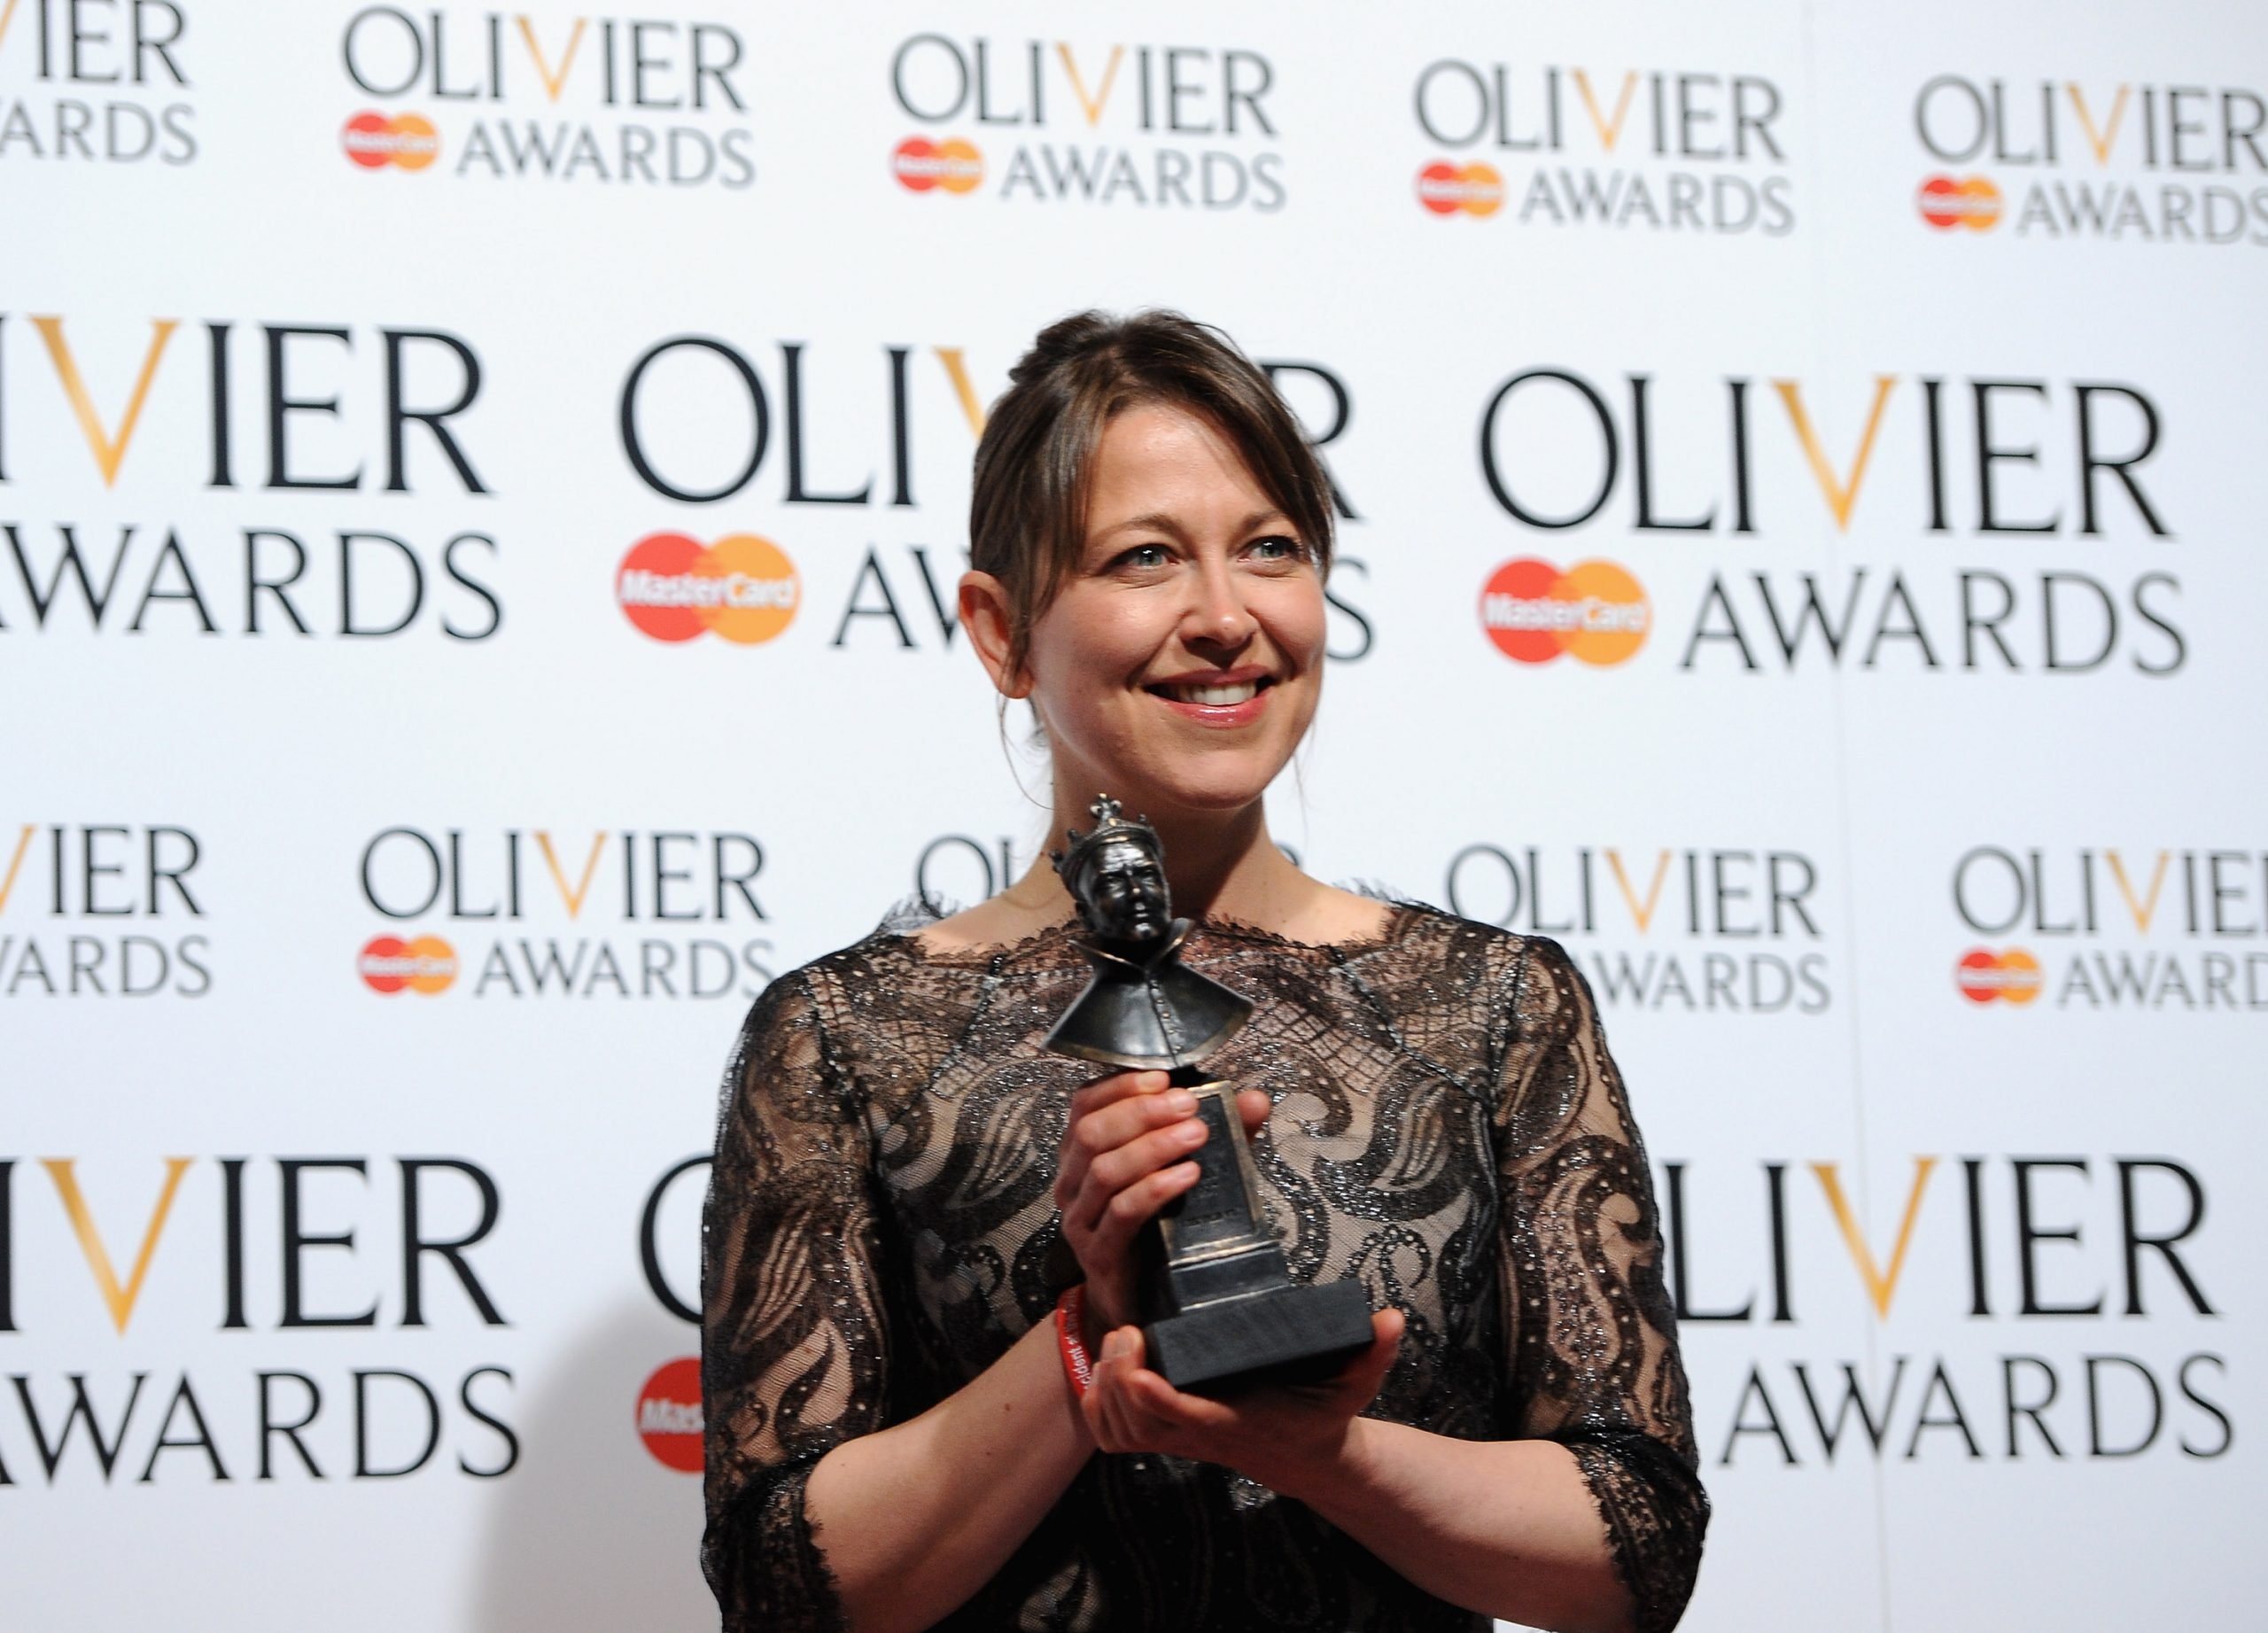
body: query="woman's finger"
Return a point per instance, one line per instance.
(1111, 1235)
(1113, 1171)
(1127, 1091)
(1110, 1389)
(1129, 1118)
(1174, 1411)
(1252, 1105)
(1363, 1377)
(1112, 1176)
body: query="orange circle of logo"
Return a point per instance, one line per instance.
(669, 1415)
(1973, 202)
(1446, 189)
(407, 141)
(921, 165)
(743, 587)
(1983, 976)
(389, 964)
(1595, 612)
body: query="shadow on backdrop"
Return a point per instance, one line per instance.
(591, 1533)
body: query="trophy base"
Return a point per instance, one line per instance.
(1287, 1334)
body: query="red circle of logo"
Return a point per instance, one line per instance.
(1529, 582)
(660, 556)
(915, 163)
(372, 128)
(381, 964)
(669, 1415)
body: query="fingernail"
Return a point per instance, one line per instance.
(1191, 1132)
(1181, 1101)
(1114, 1346)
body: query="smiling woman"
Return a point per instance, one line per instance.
(907, 1184)
(1182, 649)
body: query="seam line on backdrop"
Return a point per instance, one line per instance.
(1839, 704)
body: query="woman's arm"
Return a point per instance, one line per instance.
(822, 1513)
(918, 1517)
(914, 1519)
(1594, 1520)
(1507, 1528)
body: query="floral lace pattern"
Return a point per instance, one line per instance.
(1447, 1127)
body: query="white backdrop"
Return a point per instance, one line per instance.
(1901, 795)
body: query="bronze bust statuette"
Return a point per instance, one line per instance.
(1218, 1303)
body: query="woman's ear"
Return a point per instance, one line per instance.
(986, 614)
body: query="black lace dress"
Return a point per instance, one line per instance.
(1448, 1128)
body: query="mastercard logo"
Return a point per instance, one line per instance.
(1595, 611)
(406, 140)
(922, 165)
(2010, 977)
(1972, 202)
(388, 964)
(743, 587)
(669, 1415)
(1445, 189)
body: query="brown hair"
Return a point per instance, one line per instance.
(1028, 507)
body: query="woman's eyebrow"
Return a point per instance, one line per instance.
(1160, 521)
(1149, 522)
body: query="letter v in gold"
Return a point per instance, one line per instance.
(972, 409)
(1609, 131)
(8, 885)
(120, 1300)
(2100, 141)
(1092, 106)
(574, 898)
(2142, 911)
(1882, 1286)
(1840, 496)
(1644, 915)
(108, 452)
(553, 82)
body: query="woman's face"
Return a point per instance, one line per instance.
(1179, 663)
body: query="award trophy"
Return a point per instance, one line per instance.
(1217, 1302)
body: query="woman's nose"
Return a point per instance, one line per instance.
(1217, 614)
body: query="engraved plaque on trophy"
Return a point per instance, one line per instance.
(1218, 1303)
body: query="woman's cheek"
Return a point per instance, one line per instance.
(1298, 622)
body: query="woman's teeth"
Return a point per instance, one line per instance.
(1216, 696)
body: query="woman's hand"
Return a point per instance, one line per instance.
(1289, 1437)
(1126, 1154)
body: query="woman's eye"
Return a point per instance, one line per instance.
(1145, 556)
(1278, 547)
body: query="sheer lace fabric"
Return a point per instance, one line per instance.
(1446, 1128)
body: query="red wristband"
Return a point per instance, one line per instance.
(1069, 1311)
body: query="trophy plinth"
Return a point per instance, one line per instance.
(1223, 1304)
(1219, 1305)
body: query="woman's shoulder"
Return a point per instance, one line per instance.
(892, 945)
(897, 968)
(1429, 958)
(1419, 933)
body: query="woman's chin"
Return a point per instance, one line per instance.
(1202, 799)
(1177, 785)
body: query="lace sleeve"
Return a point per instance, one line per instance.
(1594, 1345)
(793, 1355)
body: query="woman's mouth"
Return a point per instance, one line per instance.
(1241, 691)
(1217, 700)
